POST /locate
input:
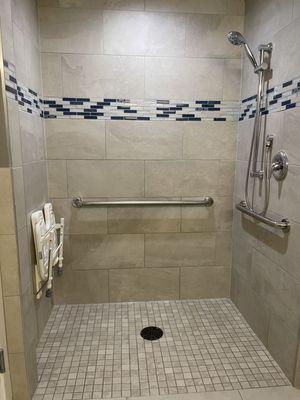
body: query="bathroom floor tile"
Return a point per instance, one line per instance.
(95, 351)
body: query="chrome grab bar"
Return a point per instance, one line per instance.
(284, 224)
(78, 202)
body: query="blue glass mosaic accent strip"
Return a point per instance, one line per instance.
(278, 98)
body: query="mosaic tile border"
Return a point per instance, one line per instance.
(278, 98)
(138, 109)
(27, 99)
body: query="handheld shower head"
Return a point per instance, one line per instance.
(237, 39)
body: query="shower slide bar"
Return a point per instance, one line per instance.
(284, 224)
(78, 202)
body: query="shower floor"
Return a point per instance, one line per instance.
(95, 351)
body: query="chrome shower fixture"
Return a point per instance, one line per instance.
(237, 39)
(258, 166)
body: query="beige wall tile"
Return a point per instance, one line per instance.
(6, 379)
(143, 219)
(81, 221)
(35, 185)
(283, 72)
(288, 140)
(223, 248)
(226, 178)
(24, 14)
(31, 368)
(249, 79)
(136, 33)
(105, 4)
(245, 129)
(100, 76)
(14, 132)
(27, 58)
(208, 219)
(209, 140)
(43, 310)
(13, 322)
(140, 140)
(232, 79)
(57, 177)
(71, 30)
(277, 289)
(285, 194)
(252, 307)
(33, 64)
(142, 284)
(282, 344)
(281, 249)
(19, 376)
(277, 13)
(106, 178)
(297, 370)
(19, 197)
(296, 9)
(19, 51)
(25, 266)
(201, 6)
(32, 138)
(9, 265)
(265, 281)
(239, 181)
(181, 178)
(29, 318)
(88, 252)
(7, 220)
(81, 287)
(6, 31)
(51, 72)
(204, 282)
(180, 249)
(236, 7)
(184, 78)
(214, 28)
(75, 139)
(242, 246)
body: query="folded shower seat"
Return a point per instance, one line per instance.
(48, 240)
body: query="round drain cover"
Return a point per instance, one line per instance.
(151, 333)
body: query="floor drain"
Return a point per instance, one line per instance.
(151, 333)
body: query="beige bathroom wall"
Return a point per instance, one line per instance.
(23, 190)
(136, 49)
(266, 273)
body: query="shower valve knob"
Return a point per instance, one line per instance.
(280, 165)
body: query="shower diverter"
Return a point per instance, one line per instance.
(48, 249)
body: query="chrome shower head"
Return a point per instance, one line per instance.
(237, 39)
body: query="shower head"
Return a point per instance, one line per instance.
(237, 39)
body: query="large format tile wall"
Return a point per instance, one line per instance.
(23, 190)
(170, 50)
(266, 272)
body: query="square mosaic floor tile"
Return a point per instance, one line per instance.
(95, 351)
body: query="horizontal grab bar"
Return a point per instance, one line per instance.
(78, 202)
(284, 224)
